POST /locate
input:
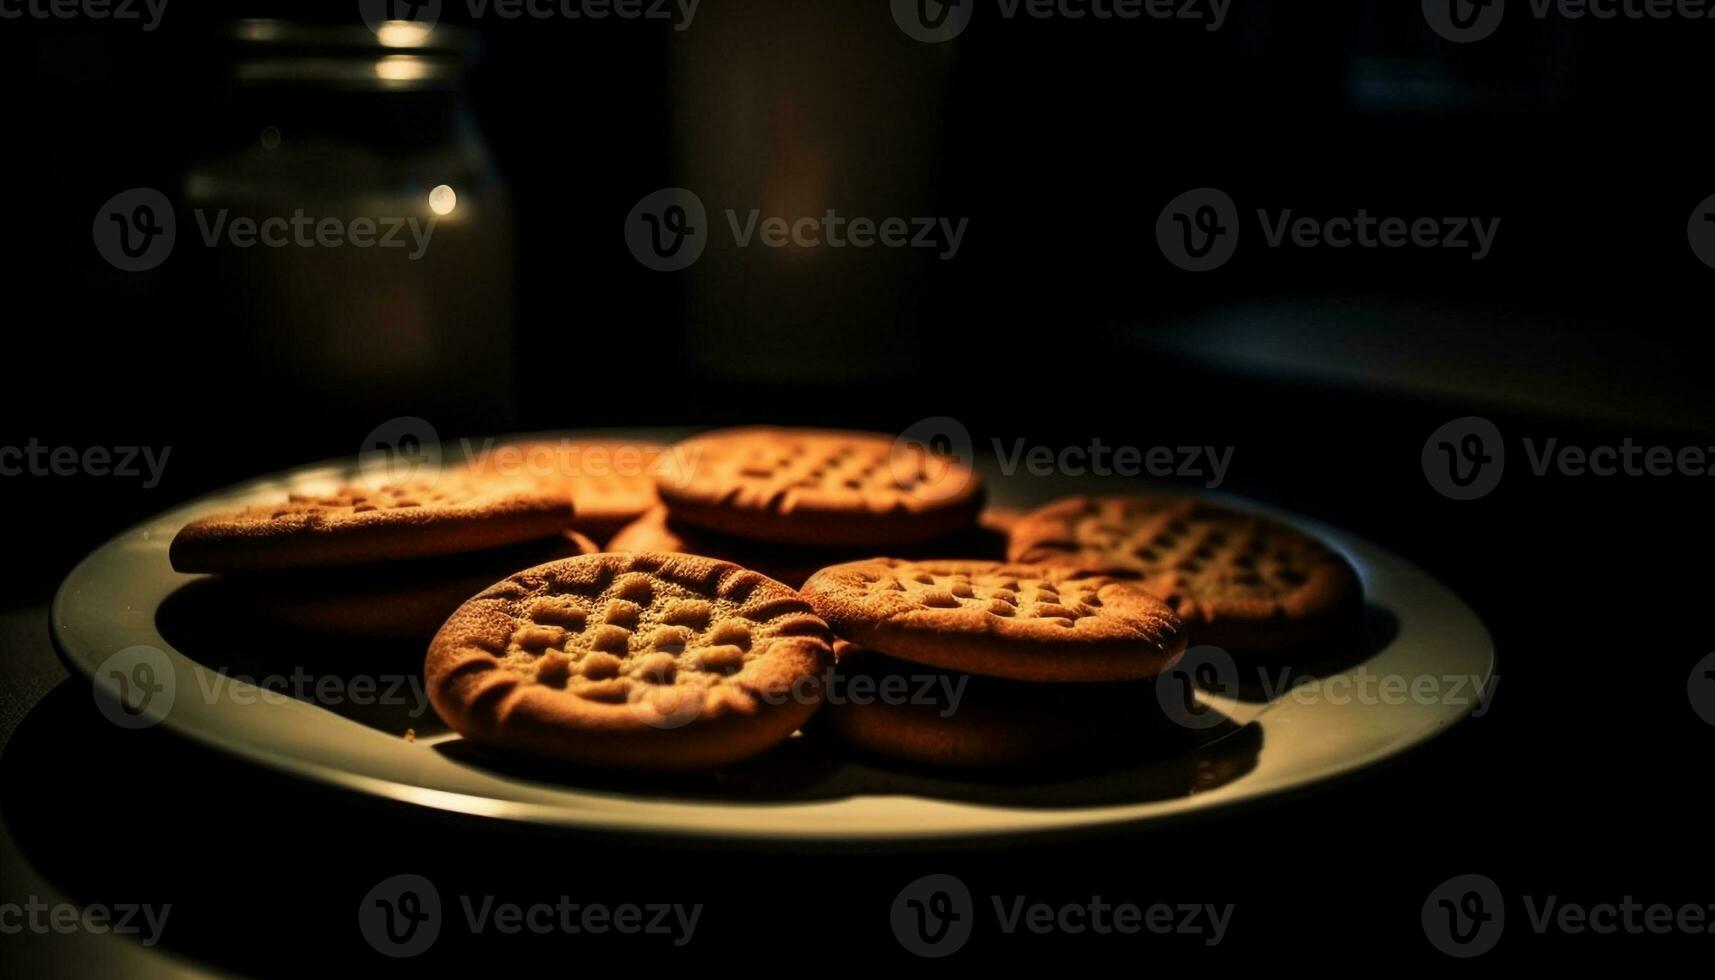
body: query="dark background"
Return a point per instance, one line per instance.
(1059, 322)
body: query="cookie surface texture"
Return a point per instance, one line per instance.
(358, 524)
(1240, 582)
(1021, 622)
(819, 488)
(645, 661)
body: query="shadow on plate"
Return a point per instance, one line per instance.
(809, 768)
(373, 681)
(1262, 679)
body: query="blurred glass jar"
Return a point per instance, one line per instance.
(384, 283)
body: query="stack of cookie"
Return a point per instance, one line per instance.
(379, 559)
(393, 560)
(1051, 657)
(671, 651)
(661, 655)
(992, 664)
(680, 648)
(787, 502)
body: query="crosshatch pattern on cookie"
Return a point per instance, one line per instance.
(1010, 599)
(1004, 595)
(356, 524)
(777, 470)
(1023, 622)
(361, 500)
(1213, 552)
(614, 632)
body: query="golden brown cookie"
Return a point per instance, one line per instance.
(357, 524)
(1240, 582)
(934, 717)
(819, 488)
(1022, 622)
(611, 481)
(647, 661)
(406, 600)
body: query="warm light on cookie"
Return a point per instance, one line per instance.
(443, 199)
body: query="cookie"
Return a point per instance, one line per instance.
(1240, 582)
(656, 531)
(819, 488)
(924, 715)
(357, 524)
(611, 481)
(1021, 622)
(402, 600)
(646, 661)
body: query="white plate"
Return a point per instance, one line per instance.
(1420, 632)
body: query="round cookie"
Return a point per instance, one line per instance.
(646, 661)
(611, 481)
(356, 524)
(1240, 582)
(818, 488)
(983, 722)
(1021, 622)
(405, 600)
